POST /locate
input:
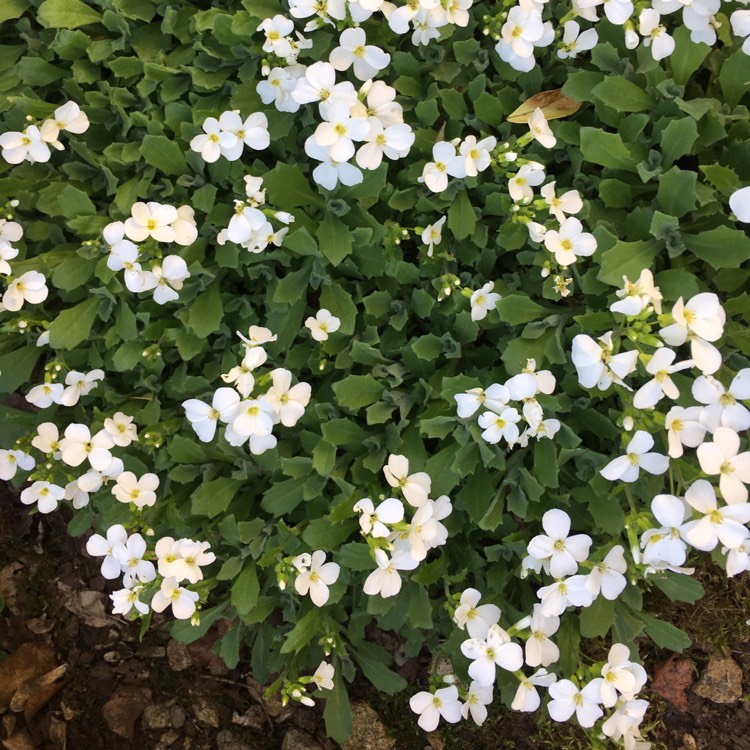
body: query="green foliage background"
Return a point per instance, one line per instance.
(655, 152)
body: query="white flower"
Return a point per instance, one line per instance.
(722, 457)
(67, 117)
(618, 12)
(738, 558)
(725, 525)
(323, 8)
(253, 417)
(567, 699)
(477, 620)
(28, 145)
(204, 418)
(662, 45)
(596, 365)
(214, 142)
(414, 487)
(184, 226)
(316, 85)
(700, 321)
(468, 403)
(78, 445)
(339, 131)
(80, 384)
(556, 597)
(29, 287)
(432, 235)
(474, 156)
(623, 724)
(495, 650)
(276, 30)
(242, 375)
(373, 520)
(560, 551)
(570, 243)
(664, 545)
(251, 132)
(130, 489)
(151, 220)
(125, 599)
(574, 42)
(721, 404)
(288, 401)
(189, 557)
(431, 706)
(98, 546)
(540, 129)
(47, 439)
(393, 141)
(7, 252)
(526, 698)
(130, 555)
(45, 395)
(322, 324)
(435, 173)
(330, 172)
(323, 677)
(620, 675)
(385, 579)
(568, 203)
(636, 296)
(739, 200)
(279, 85)
(539, 649)
(182, 600)
(257, 336)
(521, 184)
(627, 468)
(44, 494)
(479, 697)
(11, 461)
(521, 30)
(484, 300)
(121, 429)
(316, 581)
(661, 367)
(607, 577)
(169, 277)
(354, 50)
(499, 426)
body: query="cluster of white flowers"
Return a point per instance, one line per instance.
(30, 286)
(250, 227)
(77, 384)
(229, 135)
(279, 42)
(177, 561)
(398, 544)
(161, 223)
(250, 420)
(458, 158)
(33, 143)
(500, 421)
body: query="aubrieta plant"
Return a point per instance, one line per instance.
(346, 318)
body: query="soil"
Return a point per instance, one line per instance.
(90, 682)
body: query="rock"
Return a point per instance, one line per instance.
(177, 717)
(178, 656)
(167, 739)
(369, 732)
(296, 739)
(672, 678)
(253, 717)
(721, 682)
(151, 652)
(229, 740)
(206, 712)
(122, 710)
(158, 716)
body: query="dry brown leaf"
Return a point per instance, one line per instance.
(21, 740)
(435, 740)
(35, 694)
(40, 625)
(672, 678)
(88, 606)
(27, 662)
(58, 733)
(552, 103)
(124, 708)
(8, 585)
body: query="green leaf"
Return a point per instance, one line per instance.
(288, 188)
(420, 609)
(516, 308)
(687, 56)
(72, 326)
(213, 497)
(428, 347)
(545, 462)
(676, 193)
(16, 367)
(262, 8)
(186, 451)
(185, 632)
(245, 589)
(461, 217)
(307, 627)
(338, 711)
(626, 259)
(679, 588)
(597, 619)
(356, 391)
(622, 95)
(666, 635)
(334, 238)
(677, 139)
(283, 497)
(356, 556)
(721, 247)
(164, 154)
(34, 71)
(74, 202)
(342, 432)
(606, 149)
(734, 77)
(373, 661)
(66, 14)
(322, 534)
(207, 311)
(11, 9)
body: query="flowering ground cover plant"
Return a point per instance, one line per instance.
(344, 317)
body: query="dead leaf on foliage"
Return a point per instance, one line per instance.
(8, 585)
(88, 606)
(124, 708)
(552, 103)
(58, 733)
(40, 625)
(35, 694)
(672, 678)
(27, 662)
(200, 650)
(19, 741)
(435, 740)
